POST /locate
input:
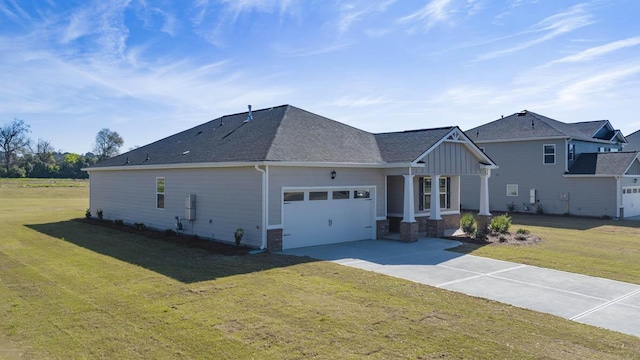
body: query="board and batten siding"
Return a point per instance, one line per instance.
(450, 158)
(521, 163)
(226, 199)
(284, 176)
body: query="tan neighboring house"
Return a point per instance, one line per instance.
(291, 178)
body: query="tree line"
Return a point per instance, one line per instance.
(23, 157)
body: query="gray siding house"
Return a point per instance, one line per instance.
(291, 178)
(633, 141)
(558, 168)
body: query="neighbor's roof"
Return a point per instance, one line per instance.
(280, 134)
(634, 141)
(529, 125)
(604, 163)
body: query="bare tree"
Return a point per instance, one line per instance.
(107, 144)
(13, 140)
(44, 151)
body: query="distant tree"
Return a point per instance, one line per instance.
(107, 144)
(13, 141)
(44, 151)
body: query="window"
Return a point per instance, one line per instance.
(318, 195)
(512, 189)
(160, 193)
(549, 154)
(571, 152)
(443, 190)
(361, 194)
(294, 196)
(340, 195)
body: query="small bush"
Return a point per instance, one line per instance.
(511, 207)
(118, 222)
(539, 209)
(468, 224)
(100, 214)
(87, 214)
(170, 232)
(238, 235)
(522, 231)
(481, 235)
(521, 237)
(500, 224)
(140, 226)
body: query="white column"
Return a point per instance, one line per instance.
(409, 206)
(435, 198)
(484, 192)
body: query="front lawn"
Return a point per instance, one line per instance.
(597, 247)
(72, 290)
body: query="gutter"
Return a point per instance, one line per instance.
(265, 198)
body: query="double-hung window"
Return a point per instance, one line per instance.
(444, 191)
(549, 154)
(160, 193)
(571, 152)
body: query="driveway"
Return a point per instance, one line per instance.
(595, 301)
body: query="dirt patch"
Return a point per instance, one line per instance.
(508, 239)
(8, 350)
(217, 247)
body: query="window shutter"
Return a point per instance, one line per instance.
(421, 191)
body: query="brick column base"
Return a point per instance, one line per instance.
(483, 222)
(382, 229)
(274, 239)
(408, 231)
(435, 228)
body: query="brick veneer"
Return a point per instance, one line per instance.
(382, 229)
(274, 239)
(408, 231)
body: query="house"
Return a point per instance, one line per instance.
(291, 178)
(559, 168)
(633, 141)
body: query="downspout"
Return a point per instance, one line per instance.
(618, 197)
(263, 244)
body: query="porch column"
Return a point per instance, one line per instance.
(409, 204)
(435, 198)
(484, 192)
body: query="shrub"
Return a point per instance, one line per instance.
(481, 235)
(522, 231)
(118, 222)
(140, 226)
(500, 224)
(511, 207)
(238, 235)
(87, 214)
(468, 224)
(521, 237)
(170, 232)
(100, 214)
(539, 209)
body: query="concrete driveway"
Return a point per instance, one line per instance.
(595, 301)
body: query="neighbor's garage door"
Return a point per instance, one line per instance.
(631, 200)
(326, 216)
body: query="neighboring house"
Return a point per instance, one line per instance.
(633, 141)
(559, 168)
(291, 178)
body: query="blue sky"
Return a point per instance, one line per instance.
(148, 69)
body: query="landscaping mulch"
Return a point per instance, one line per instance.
(508, 239)
(213, 246)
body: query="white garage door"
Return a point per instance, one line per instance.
(327, 216)
(631, 200)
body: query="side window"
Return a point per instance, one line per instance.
(549, 154)
(571, 152)
(512, 189)
(160, 193)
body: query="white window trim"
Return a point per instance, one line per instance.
(555, 154)
(512, 185)
(163, 193)
(428, 193)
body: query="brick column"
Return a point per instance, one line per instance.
(435, 228)
(382, 229)
(274, 239)
(408, 231)
(483, 222)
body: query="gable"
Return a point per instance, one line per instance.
(451, 158)
(634, 169)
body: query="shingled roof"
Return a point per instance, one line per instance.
(529, 125)
(280, 134)
(604, 163)
(633, 141)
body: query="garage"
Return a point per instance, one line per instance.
(312, 217)
(631, 200)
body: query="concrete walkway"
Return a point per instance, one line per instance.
(595, 301)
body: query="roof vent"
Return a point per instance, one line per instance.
(522, 113)
(250, 117)
(147, 158)
(186, 152)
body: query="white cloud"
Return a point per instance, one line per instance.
(354, 11)
(436, 11)
(596, 84)
(598, 51)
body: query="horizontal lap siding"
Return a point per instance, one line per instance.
(230, 198)
(521, 163)
(280, 177)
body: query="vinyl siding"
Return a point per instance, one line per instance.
(521, 163)
(450, 158)
(225, 200)
(280, 177)
(634, 169)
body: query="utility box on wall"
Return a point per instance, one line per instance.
(532, 196)
(190, 207)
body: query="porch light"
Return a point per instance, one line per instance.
(333, 174)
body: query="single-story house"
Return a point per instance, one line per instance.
(554, 167)
(290, 178)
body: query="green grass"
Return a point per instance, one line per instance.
(597, 247)
(30, 183)
(70, 290)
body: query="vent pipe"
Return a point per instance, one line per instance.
(250, 117)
